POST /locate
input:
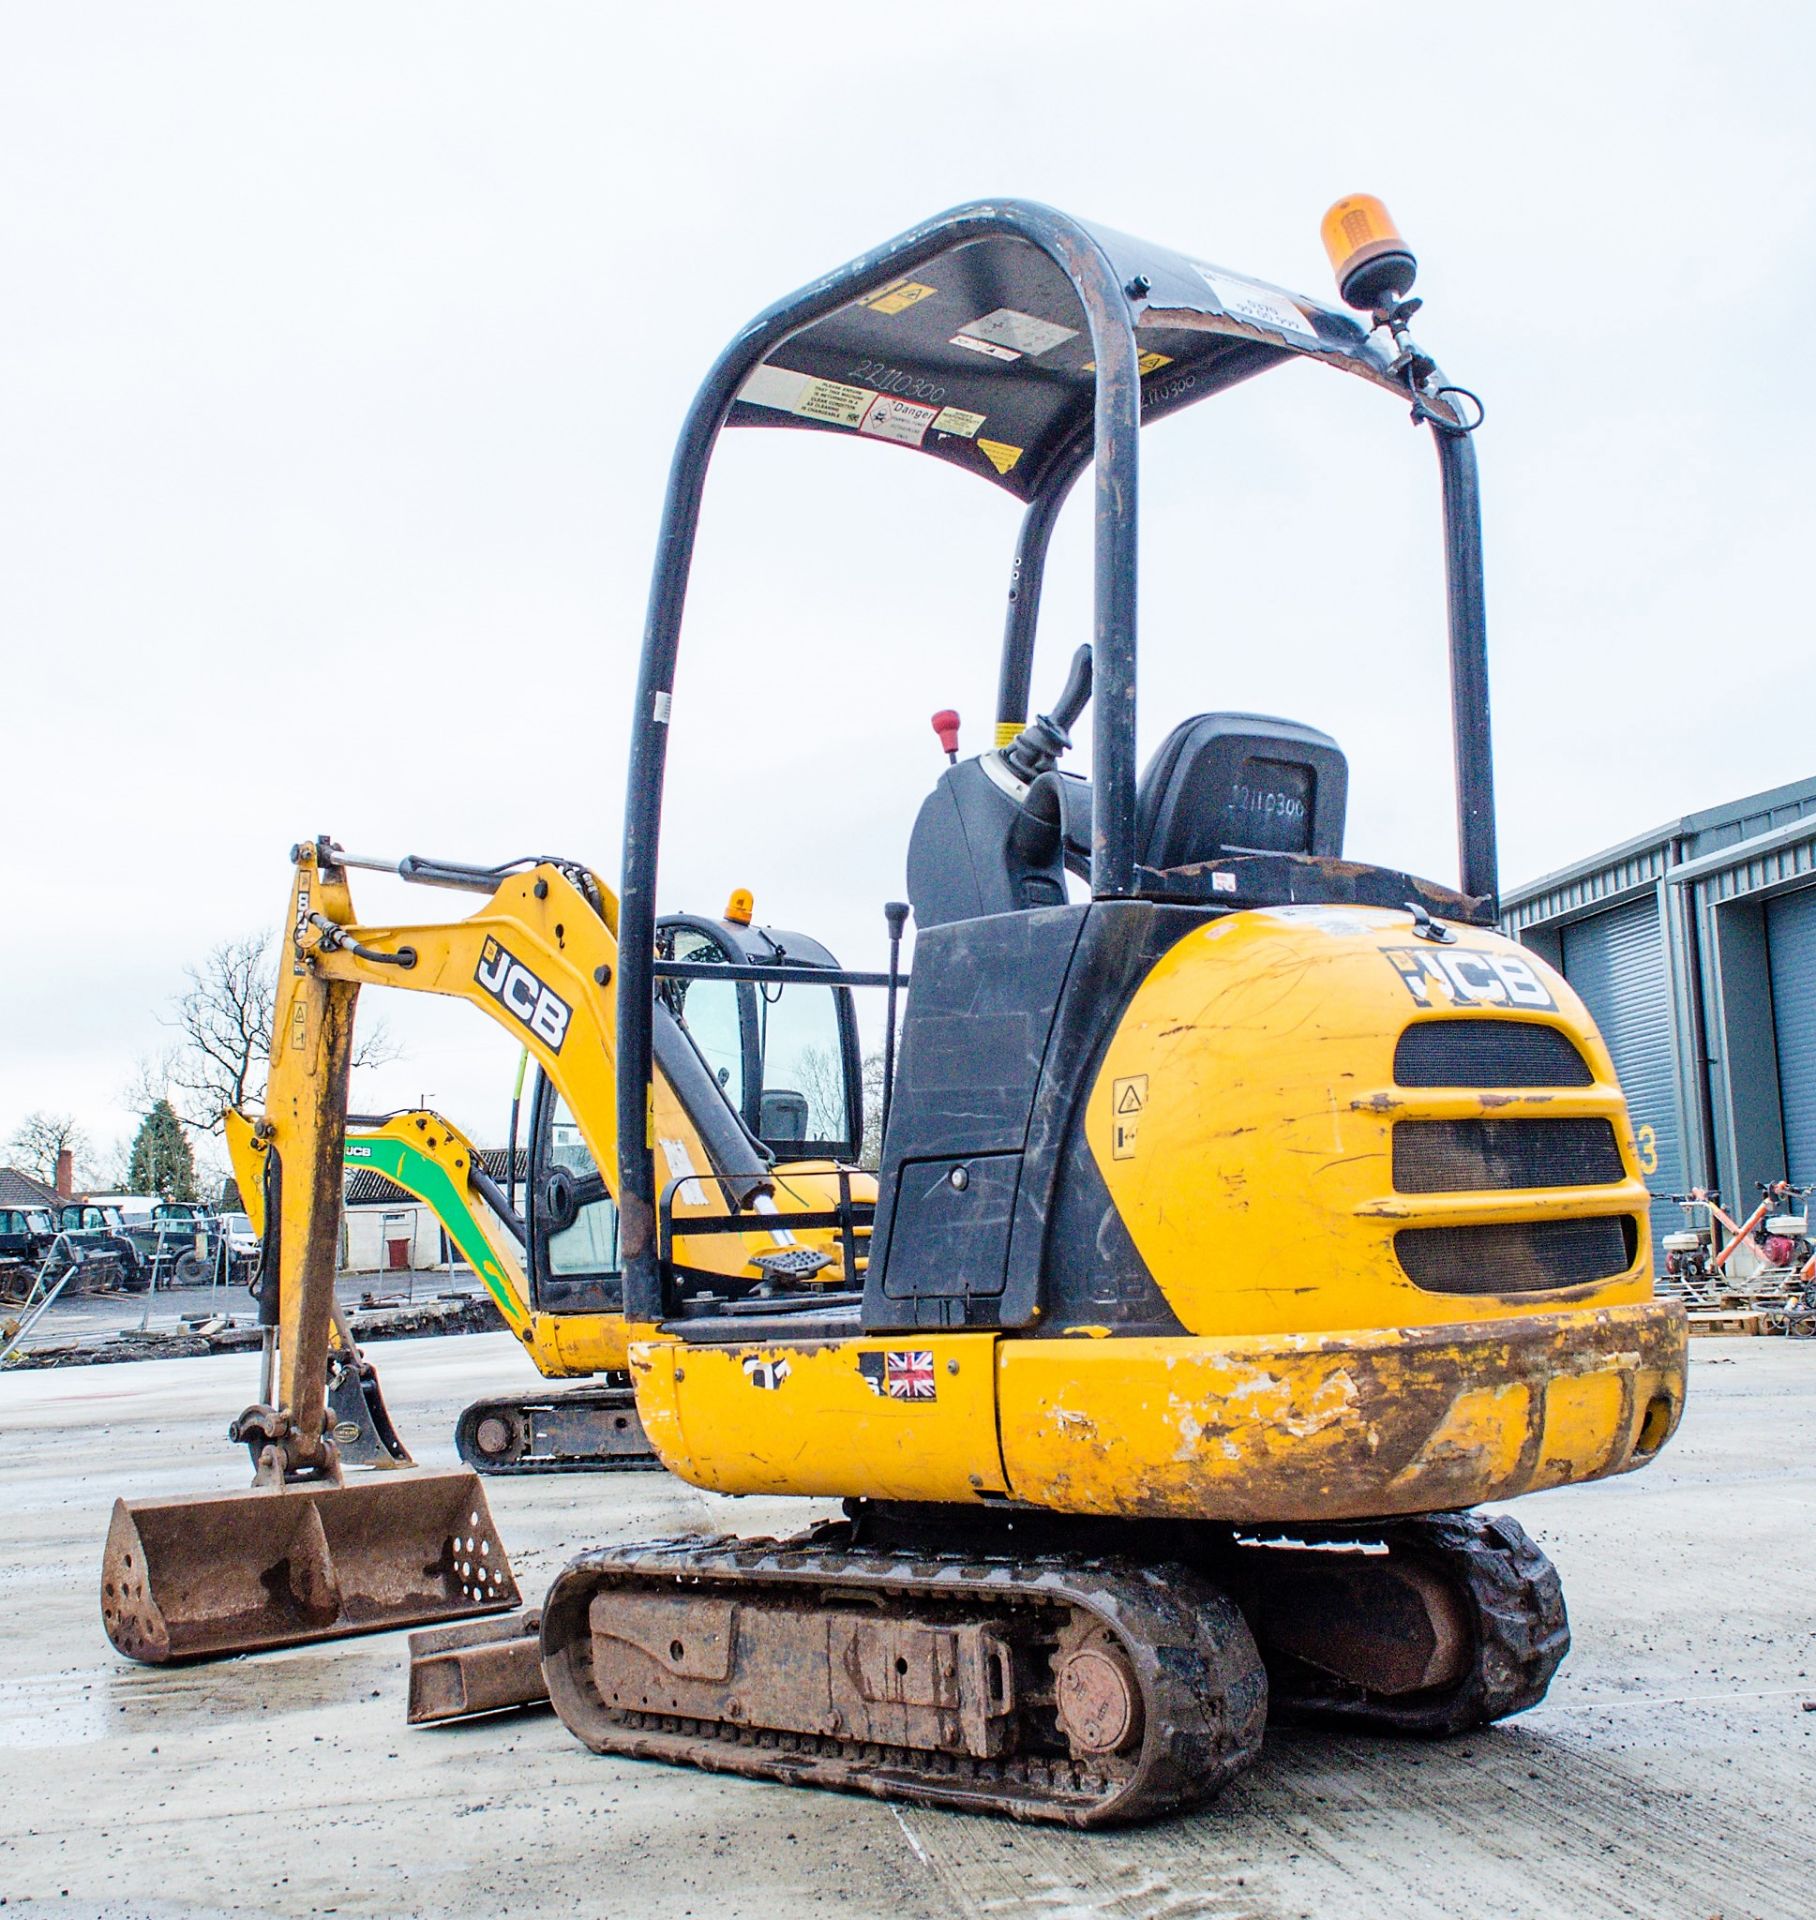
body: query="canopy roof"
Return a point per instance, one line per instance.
(982, 356)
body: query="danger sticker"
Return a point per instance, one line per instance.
(899, 298)
(1259, 306)
(1016, 333)
(891, 419)
(1000, 455)
(1128, 1099)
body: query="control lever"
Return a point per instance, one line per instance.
(1036, 749)
(895, 916)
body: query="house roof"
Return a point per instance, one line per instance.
(19, 1189)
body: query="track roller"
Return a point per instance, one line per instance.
(1046, 1689)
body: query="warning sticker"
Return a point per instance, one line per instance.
(681, 1167)
(1000, 456)
(957, 420)
(1145, 363)
(811, 398)
(899, 298)
(1259, 306)
(984, 346)
(892, 419)
(1127, 1099)
(1018, 332)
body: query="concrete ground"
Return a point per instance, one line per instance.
(1671, 1772)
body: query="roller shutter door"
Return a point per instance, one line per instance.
(1617, 963)
(1791, 950)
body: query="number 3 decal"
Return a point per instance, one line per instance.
(1648, 1150)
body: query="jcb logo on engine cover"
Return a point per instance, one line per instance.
(519, 992)
(1464, 978)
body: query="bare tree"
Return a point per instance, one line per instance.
(822, 1078)
(41, 1138)
(223, 1054)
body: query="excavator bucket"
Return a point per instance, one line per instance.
(211, 1574)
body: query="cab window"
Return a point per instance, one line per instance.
(590, 1245)
(711, 1013)
(804, 1107)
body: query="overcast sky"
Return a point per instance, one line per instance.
(342, 350)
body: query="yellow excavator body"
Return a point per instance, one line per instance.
(1275, 1175)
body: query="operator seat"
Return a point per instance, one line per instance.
(1231, 783)
(975, 851)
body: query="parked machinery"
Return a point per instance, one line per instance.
(783, 1049)
(1238, 1227)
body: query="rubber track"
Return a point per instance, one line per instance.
(607, 1400)
(1515, 1603)
(1203, 1685)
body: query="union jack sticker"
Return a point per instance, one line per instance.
(909, 1376)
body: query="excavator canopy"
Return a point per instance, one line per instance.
(1014, 340)
(982, 356)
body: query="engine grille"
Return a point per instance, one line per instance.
(1517, 1257)
(1476, 1052)
(1470, 1156)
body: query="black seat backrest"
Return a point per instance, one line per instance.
(1226, 783)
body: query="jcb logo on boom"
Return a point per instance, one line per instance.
(1464, 978)
(519, 992)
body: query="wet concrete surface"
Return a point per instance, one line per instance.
(1671, 1771)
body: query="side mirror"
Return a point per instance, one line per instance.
(559, 1200)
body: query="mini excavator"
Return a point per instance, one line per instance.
(1242, 1224)
(759, 1039)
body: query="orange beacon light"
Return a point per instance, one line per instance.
(1375, 268)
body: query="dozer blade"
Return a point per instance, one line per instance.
(484, 1666)
(212, 1574)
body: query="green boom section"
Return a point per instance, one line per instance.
(417, 1173)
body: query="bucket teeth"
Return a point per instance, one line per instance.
(208, 1575)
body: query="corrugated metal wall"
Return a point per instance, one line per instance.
(1791, 950)
(1616, 961)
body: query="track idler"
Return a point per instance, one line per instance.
(1080, 1693)
(590, 1429)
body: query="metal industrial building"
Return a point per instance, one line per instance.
(1694, 948)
